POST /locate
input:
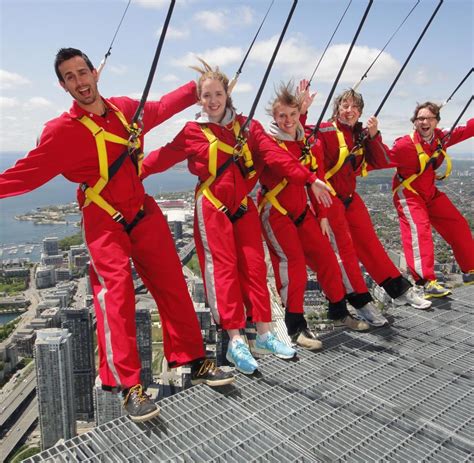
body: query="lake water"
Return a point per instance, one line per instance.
(61, 191)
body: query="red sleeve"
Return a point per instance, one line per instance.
(459, 134)
(156, 112)
(266, 151)
(377, 153)
(165, 157)
(317, 150)
(39, 166)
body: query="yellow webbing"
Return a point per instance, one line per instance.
(344, 153)
(423, 159)
(214, 145)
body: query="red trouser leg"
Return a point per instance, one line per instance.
(156, 260)
(454, 228)
(114, 298)
(343, 245)
(289, 265)
(368, 247)
(415, 230)
(320, 258)
(217, 252)
(251, 265)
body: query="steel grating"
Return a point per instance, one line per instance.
(397, 394)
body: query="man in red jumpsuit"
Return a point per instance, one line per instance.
(68, 147)
(351, 227)
(421, 205)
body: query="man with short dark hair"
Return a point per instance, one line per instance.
(421, 205)
(90, 145)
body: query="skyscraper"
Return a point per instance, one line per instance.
(108, 405)
(55, 387)
(79, 323)
(143, 321)
(51, 246)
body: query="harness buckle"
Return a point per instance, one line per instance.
(119, 218)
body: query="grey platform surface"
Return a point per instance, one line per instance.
(398, 394)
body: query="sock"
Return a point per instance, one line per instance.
(264, 336)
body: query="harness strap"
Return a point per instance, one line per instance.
(345, 155)
(271, 195)
(214, 145)
(424, 161)
(106, 173)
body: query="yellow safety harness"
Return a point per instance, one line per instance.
(106, 173)
(345, 155)
(307, 159)
(425, 161)
(216, 145)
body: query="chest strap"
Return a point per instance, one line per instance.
(307, 159)
(106, 173)
(425, 161)
(345, 155)
(216, 145)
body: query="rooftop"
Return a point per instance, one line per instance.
(401, 393)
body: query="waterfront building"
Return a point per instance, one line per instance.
(55, 385)
(25, 338)
(53, 260)
(79, 323)
(51, 246)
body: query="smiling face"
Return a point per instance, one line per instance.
(80, 82)
(213, 99)
(425, 123)
(287, 118)
(349, 112)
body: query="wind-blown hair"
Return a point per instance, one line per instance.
(432, 107)
(346, 95)
(206, 72)
(285, 95)
(65, 54)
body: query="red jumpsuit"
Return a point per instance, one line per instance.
(230, 253)
(353, 234)
(67, 147)
(295, 240)
(430, 207)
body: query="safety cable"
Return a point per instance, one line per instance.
(355, 87)
(109, 51)
(327, 45)
(239, 71)
(457, 88)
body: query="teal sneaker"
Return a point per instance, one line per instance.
(239, 355)
(272, 345)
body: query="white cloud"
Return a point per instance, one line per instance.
(245, 15)
(10, 80)
(156, 4)
(118, 70)
(37, 102)
(243, 87)
(170, 78)
(8, 103)
(175, 33)
(421, 77)
(214, 21)
(215, 57)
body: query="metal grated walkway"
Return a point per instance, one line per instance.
(398, 394)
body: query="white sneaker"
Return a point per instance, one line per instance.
(372, 315)
(413, 299)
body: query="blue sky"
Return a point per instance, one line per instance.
(220, 31)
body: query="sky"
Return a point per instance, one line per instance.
(31, 32)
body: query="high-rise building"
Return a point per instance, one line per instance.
(51, 246)
(79, 323)
(107, 405)
(143, 321)
(55, 385)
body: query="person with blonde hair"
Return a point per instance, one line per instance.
(296, 234)
(226, 225)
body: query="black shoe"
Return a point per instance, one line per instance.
(205, 372)
(138, 405)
